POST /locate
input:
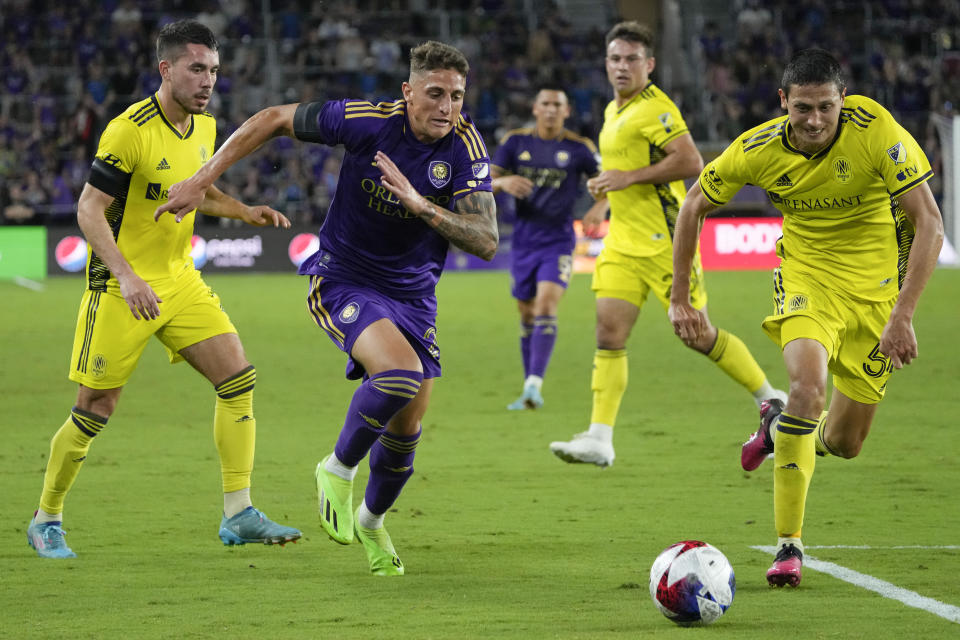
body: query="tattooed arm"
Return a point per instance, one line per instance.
(472, 228)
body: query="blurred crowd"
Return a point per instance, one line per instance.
(67, 69)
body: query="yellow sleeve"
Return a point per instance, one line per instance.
(901, 162)
(662, 122)
(120, 145)
(725, 175)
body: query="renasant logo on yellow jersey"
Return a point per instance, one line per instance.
(841, 221)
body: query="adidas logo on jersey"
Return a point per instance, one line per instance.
(784, 181)
(163, 165)
(524, 156)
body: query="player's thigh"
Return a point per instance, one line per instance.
(194, 316)
(404, 336)
(861, 371)
(803, 309)
(217, 358)
(381, 346)
(618, 276)
(615, 320)
(108, 341)
(548, 298)
(407, 421)
(658, 274)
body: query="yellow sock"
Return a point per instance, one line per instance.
(819, 441)
(68, 450)
(794, 458)
(609, 382)
(734, 359)
(235, 429)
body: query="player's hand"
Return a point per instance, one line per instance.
(182, 198)
(593, 220)
(261, 216)
(517, 186)
(898, 341)
(609, 180)
(688, 323)
(396, 183)
(140, 297)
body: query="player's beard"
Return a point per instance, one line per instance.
(188, 102)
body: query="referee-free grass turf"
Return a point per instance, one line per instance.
(499, 538)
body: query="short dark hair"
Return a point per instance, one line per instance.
(174, 37)
(549, 86)
(812, 66)
(632, 31)
(433, 55)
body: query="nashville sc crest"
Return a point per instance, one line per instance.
(439, 173)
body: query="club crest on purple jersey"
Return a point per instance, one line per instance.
(562, 158)
(439, 173)
(350, 313)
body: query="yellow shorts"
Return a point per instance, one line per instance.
(109, 340)
(632, 278)
(848, 329)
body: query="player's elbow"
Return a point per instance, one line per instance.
(490, 250)
(694, 165)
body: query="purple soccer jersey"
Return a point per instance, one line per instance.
(556, 167)
(368, 237)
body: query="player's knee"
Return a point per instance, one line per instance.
(807, 397)
(239, 383)
(847, 447)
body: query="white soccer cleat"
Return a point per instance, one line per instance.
(584, 447)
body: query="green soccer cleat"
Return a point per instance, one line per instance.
(383, 558)
(335, 500)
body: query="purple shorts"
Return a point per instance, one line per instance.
(343, 310)
(551, 264)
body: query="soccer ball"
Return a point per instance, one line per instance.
(692, 583)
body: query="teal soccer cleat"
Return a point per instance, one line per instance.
(251, 525)
(529, 399)
(47, 538)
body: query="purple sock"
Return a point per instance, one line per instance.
(391, 465)
(374, 403)
(526, 330)
(541, 344)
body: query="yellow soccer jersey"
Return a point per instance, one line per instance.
(841, 221)
(642, 216)
(140, 156)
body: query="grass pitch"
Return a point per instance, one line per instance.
(499, 538)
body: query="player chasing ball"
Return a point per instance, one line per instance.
(415, 178)
(861, 235)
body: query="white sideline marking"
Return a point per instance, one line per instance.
(27, 283)
(868, 547)
(884, 588)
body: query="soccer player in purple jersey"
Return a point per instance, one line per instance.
(541, 167)
(415, 178)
